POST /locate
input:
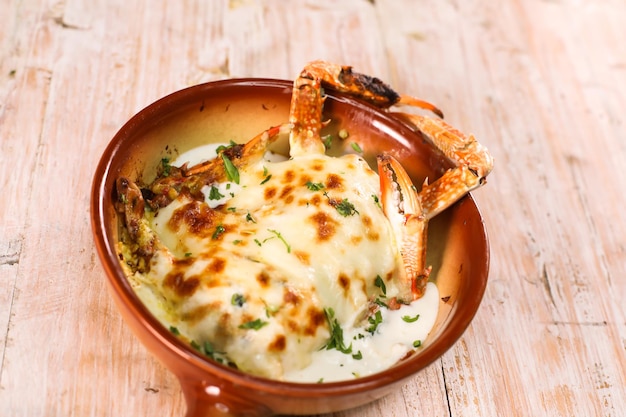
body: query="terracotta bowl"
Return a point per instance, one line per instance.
(238, 110)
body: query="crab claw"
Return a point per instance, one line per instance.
(403, 208)
(473, 163)
(239, 155)
(132, 205)
(365, 87)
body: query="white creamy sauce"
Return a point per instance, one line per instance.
(391, 341)
(398, 334)
(209, 151)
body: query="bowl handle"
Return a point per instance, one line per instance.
(207, 400)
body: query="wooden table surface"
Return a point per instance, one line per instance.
(541, 83)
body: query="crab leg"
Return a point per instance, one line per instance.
(306, 117)
(132, 204)
(402, 206)
(370, 89)
(473, 161)
(239, 155)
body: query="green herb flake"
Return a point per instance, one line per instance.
(380, 284)
(219, 230)
(328, 141)
(206, 349)
(253, 325)
(358, 356)
(346, 208)
(355, 146)
(232, 209)
(238, 300)
(257, 242)
(165, 165)
(270, 310)
(232, 173)
(174, 331)
(314, 186)
(266, 179)
(215, 194)
(237, 241)
(417, 343)
(410, 319)
(376, 200)
(249, 218)
(222, 148)
(336, 333)
(282, 239)
(187, 254)
(374, 321)
(380, 302)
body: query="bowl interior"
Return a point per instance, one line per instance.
(238, 110)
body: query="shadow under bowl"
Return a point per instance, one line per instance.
(238, 110)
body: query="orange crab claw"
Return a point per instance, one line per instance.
(368, 88)
(239, 155)
(403, 208)
(305, 116)
(473, 160)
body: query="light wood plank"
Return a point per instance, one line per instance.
(542, 84)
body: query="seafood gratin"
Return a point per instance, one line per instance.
(261, 264)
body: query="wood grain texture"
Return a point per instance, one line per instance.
(541, 83)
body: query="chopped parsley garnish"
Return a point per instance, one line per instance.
(258, 242)
(237, 300)
(410, 319)
(282, 239)
(314, 186)
(206, 349)
(356, 147)
(417, 343)
(346, 208)
(380, 284)
(232, 173)
(219, 230)
(266, 179)
(249, 218)
(357, 356)
(187, 254)
(270, 310)
(328, 141)
(336, 333)
(215, 194)
(222, 148)
(380, 302)
(165, 165)
(233, 209)
(376, 200)
(254, 324)
(174, 330)
(374, 321)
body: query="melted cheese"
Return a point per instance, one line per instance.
(254, 267)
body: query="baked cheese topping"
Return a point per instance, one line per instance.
(294, 259)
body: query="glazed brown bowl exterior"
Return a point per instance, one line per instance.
(238, 110)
